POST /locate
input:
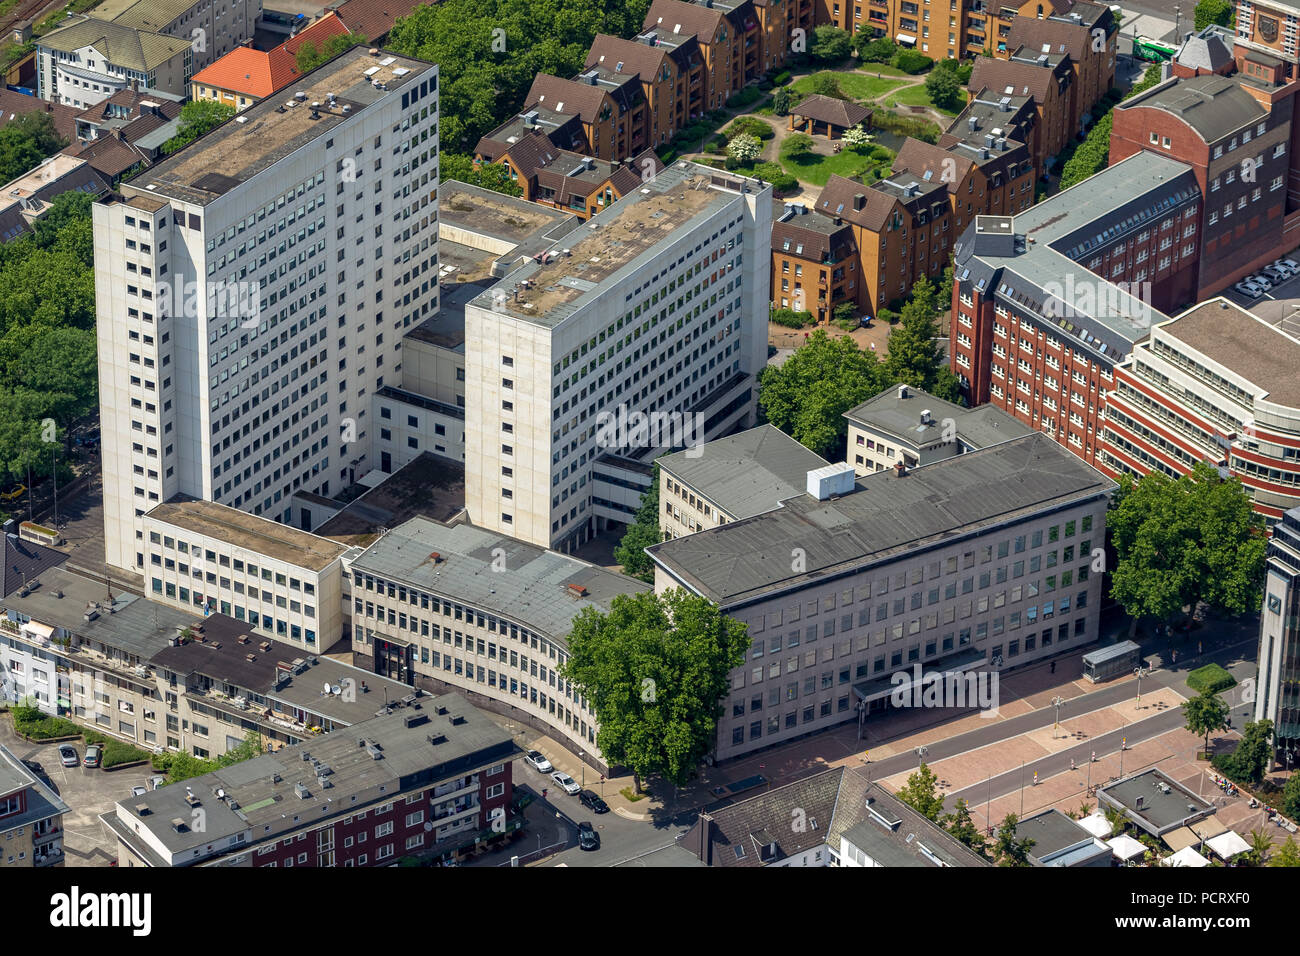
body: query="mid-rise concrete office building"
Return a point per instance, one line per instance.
(907, 425)
(642, 332)
(983, 561)
(252, 292)
(443, 607)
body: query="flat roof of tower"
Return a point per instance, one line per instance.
(267, 132)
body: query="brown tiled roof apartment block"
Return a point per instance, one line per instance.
(1087, 34)
(1049, 80)
(612, 111)
(665, 74)
(953, 34)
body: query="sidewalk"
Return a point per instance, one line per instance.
(896, 732)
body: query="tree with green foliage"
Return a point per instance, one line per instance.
(1210, 12)
(641, 533)
(783, 100)
(790, 318)
(1291, 797)
(309, 56)
(961, 826)
(1260, 843)
(831, 44)
(910, 61)
(826, 84)
(26, 140)
(655, 669)
(944, 88)
(197, 117)
(807, 395)
(1287, 855)
(921, 793)
(876, 50)
(489, 51)
(845, 312)
(744, 147)
(1182, 541)
(915, 356)
(1007, 849)
(1206, 714)
(797, 144)
(493, 176)
(48, 366)
(1249, 762)
(857, 137)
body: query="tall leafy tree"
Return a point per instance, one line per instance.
(961, 826)
(1287, 855)
(1249, 762)
(944, 88)
(309, 56)
(25, 141)
(641, 533)
(489, 51)
(1206, 714)
(1209, 12)
(1008, 849)
(493, 176)
(655, 668)
(1183, 541)
(806, 397)
(831, 44)
(915, 356)
(198, 117)
(921, 793)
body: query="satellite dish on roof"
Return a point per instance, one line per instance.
(326, 689)
(336, 690)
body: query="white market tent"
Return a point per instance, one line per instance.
(1227, 845)
(1185, 857)
(1096, 824)
(1125, 848)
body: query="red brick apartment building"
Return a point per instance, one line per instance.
(432, 776)
(1047, 302)
(1239, 136)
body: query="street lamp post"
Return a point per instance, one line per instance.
(1057, 702)
(920, 756)
(1141, 672)
(582, 759)
(1178, 20)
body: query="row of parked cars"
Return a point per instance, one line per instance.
(1277, 272)
(588, 838)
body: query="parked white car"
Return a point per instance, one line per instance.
(1249, 289)
(565, 782)
(538, 762)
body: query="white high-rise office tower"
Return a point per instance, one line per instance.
(641, 331)
(252, 292)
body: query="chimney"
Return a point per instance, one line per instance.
(900, 469)
(972, 123)
(859, 200)
(902, 391)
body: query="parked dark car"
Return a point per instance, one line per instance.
(588, 838)
(593, 802)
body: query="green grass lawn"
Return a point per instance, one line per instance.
(857, 86)
(883, 69)
(916, 96)
(816, 169)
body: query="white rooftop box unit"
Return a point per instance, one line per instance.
(830, 480)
